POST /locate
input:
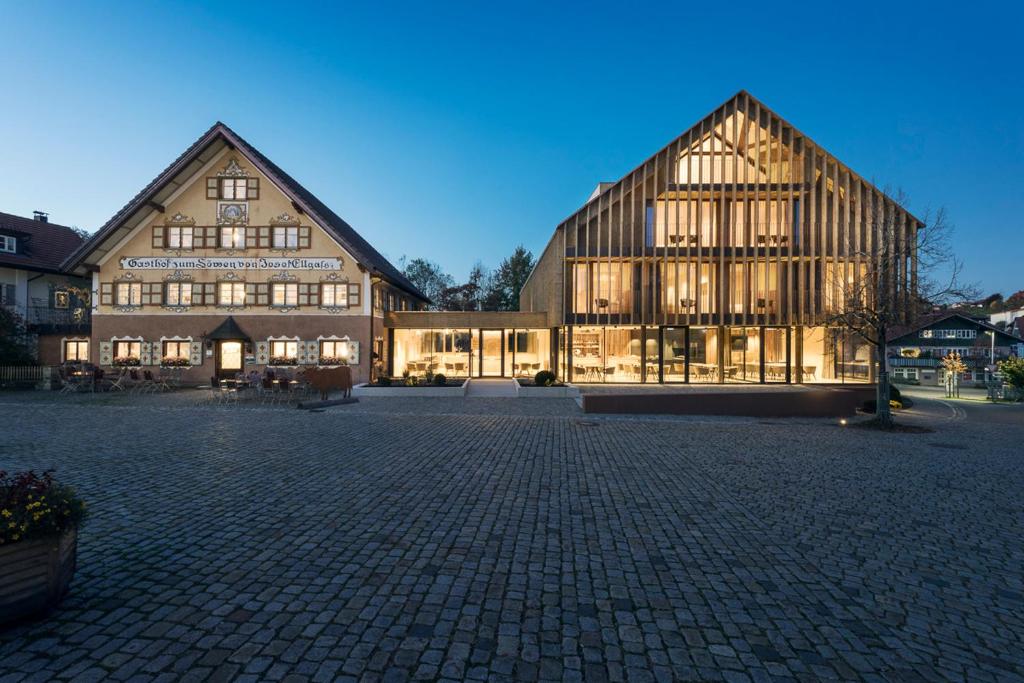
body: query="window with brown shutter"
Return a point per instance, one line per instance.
(353, 295)
(158, 237)
(262, 293)
(309, 294)
(251, 237)
(304, 238)
(333, 295)
(284, 294)
(233, 188)
(253, 188)
(211, 189)
(210, 234)
(232, 237)
(264, 237)
(177, 293)
(107, 293)
(152, 294)
(180, 236)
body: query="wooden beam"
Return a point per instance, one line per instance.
(295, 205)
(155, 205)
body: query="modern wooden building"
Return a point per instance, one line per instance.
(722, 258)
(224, 263)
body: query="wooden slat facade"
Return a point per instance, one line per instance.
(760, 209)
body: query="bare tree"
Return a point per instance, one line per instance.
(904, 271)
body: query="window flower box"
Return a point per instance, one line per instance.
(127, 361)
(331, 360)
(282, 360)
(175, 362)
(38, 543)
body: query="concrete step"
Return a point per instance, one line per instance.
(491, 388)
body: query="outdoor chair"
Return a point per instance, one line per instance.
(68, 385)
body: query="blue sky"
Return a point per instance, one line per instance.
(457, 131)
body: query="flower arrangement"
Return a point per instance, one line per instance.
(332, 360)
(282, 360)
(36, 506)
(127, 361)
(175, 362)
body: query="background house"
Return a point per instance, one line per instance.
(35, 288)
(915, 355)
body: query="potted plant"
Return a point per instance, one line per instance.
(39, 521)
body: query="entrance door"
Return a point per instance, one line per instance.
(492, 362)
(229, 358)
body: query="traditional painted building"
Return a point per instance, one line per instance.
(53, 305)
(224, 263)
(725, 257)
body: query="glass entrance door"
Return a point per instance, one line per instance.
(229, 358)
(491, 358)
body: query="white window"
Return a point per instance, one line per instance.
(179, 237)
(76, 349)
(966, 334)
(128, 293)
(127, 349)
(334, 295)
(8, 244)
(284, 294)
(232, 237)
(178, 294)
(176, 353)
(286, 237)
(333, 352)
(231, 294)
(926, 334)
(233, 188)
(281, 351)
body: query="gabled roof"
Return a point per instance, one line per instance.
(934, 319)
(729, 106)
(193, 158)
(42, 246)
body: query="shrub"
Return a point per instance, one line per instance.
(1012, 370)
(544, 378)
(894, 394)
(440, 380)
(36, 506)
(384, 381)
(410, 381)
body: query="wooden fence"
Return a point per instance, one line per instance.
(40, 376)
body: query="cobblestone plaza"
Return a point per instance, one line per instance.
(425, 539)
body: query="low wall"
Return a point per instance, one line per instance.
(367, 391)
(816, 402)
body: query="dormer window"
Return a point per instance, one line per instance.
(8, 244)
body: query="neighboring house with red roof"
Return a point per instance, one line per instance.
(34, 285)
(915, 353)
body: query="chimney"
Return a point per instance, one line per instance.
(41, 216)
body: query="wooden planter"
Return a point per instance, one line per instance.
(35, 575)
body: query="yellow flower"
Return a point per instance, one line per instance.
(6, 513)
(14, 537)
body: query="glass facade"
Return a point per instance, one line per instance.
(470, 352)
(714, 355)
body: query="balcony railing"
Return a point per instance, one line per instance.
(45, 319)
